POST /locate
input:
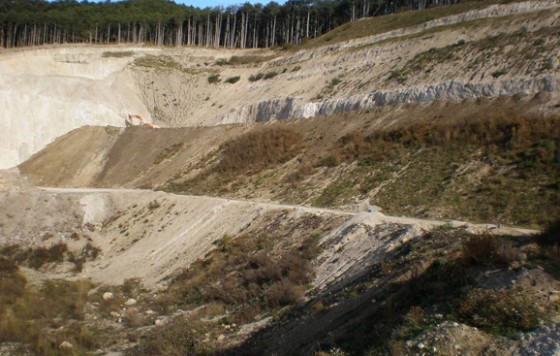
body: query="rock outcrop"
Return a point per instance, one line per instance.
(291, 108)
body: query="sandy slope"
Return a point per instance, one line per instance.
(152, 235)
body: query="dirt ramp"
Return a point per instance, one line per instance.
(74, 160)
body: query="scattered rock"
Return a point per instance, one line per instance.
(65, 345)
(130, 302)
(108, 296)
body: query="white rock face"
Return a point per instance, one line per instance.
(290, 108)
(47, 93)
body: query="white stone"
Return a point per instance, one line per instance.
(65, 345)
(130, 302)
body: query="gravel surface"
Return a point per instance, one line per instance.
(542, 341)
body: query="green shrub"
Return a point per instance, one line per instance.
(233, 80)
(154, 205)
(214, 79)
(270, 75)
(36, 258)
(255, 77)
(507, 311)
(398, 75)
(335, 81)
(551, 236)
(499, 73)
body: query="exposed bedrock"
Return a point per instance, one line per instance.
(291, 108)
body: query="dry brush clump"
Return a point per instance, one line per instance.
(489, 249)
(506, 311)
(39, 256)
(244, 274)
(168, 152)
(260, 148)
(178, 337)
(35, 257)
(40, 319)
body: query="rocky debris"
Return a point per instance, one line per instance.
(535, 279)
(543, 341)
(248, 329)
(449, 338)
(108, 296)
(130, 302)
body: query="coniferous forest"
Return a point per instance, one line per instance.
(161, 22)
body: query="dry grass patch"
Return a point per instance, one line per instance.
(489, 249)
(506, 311)
(168, 152)
(43, 318)
(244, 273)
(35, 257)
(259, 149)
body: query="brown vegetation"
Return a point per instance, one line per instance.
(245, 274)
(168, 152)
(26, 315)
(259, 149)
(506, 311)
(518, 137)
(35, 257)
(489, 249)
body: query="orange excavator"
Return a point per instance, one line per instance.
(137, 120)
